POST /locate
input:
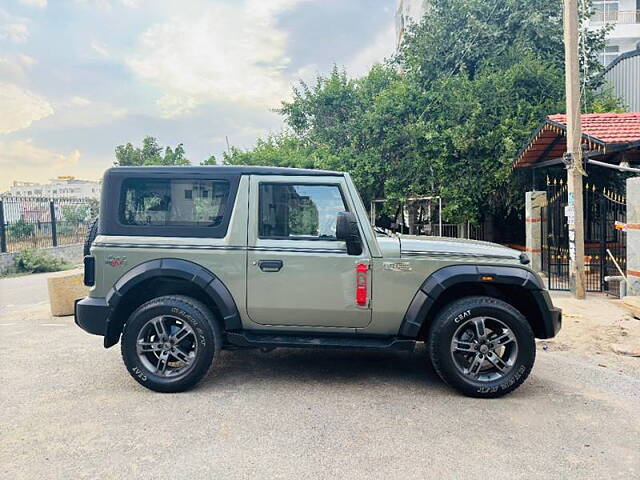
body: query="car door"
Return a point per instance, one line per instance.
(298, 273)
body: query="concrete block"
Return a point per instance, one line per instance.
(64, 289)
(633, 305)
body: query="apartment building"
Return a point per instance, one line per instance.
(624, 16)
(60, 187)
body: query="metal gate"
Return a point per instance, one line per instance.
(602, 209)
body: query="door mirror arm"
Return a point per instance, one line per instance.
(347, 231)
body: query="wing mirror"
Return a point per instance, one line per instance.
(347, 230)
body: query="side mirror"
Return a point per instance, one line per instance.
(347, 230)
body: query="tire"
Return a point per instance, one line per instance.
(486, 366)
(192, 340)
(92, 232)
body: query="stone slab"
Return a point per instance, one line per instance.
(64, 289)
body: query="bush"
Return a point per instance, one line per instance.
(20, 229)
(32, 260)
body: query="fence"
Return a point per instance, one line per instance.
(42, 222)
(602, 209)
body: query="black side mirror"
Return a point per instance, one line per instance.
(347, 230)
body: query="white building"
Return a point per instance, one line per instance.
(60, 187)
(624, 15)
(408, 11)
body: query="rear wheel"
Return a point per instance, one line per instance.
(169, 343)
(482, 346)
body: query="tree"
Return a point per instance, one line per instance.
(151, 153)
(446, 115)
(210, 161)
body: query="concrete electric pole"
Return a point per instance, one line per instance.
(574, 209)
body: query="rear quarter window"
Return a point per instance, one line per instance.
(173, 202)
(169, 202)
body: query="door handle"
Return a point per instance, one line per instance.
(270, 265)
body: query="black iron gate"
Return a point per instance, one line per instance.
(604, 214)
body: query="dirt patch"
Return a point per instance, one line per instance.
(597, 326)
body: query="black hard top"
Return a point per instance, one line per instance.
(224, 169)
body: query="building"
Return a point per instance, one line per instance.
(623, 75)
(60, 187)
(624, 16)
(406, 12)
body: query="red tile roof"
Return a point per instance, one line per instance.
(607, 127)
(601, 132)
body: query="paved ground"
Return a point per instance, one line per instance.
(25, 291)
(69, 409)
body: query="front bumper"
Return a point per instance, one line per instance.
(91, 315)
(551, 316)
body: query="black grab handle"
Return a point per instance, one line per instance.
(270, 265)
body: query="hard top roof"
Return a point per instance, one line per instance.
(224, 169)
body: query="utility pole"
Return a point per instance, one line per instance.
(573, 157)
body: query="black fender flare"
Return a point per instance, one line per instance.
(176, 268)
(446, 277)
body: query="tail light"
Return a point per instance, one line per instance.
(361, 284)
(89, 271)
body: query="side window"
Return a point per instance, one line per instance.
(173, 202)
(299, 211)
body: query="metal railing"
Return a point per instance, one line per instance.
(37, 222)
(616, 16)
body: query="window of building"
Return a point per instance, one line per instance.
(605, 11)
(299, 211)
(609, 53)
(160, 202)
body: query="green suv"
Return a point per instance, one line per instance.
(187, 261)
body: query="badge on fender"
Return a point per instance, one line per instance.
(397, 267)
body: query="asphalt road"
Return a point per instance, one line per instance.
(21, 292)
(68, 409)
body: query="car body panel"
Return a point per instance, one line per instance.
(316, 285)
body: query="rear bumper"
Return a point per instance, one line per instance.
(91, 315)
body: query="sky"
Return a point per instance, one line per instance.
(79, 77)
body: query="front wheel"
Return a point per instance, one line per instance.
(482, 346)
(170, 342)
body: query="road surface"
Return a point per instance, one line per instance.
(69, 409)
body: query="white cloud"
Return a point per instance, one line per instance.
(23, 160)
(23, 153)
(34, 3)
(80, 101)
(383, 45)
(10, 69)
(100, 49)
(12, 28)
(210, 52)
(26, 60)
(20, 108)
(83, 112)
(13, 67)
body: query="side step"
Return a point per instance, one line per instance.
(261, 340)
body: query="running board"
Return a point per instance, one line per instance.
(261, 340)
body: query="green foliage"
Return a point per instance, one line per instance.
(151, 153)
(209, 161)
(75, 214)
(32, 260)
(20, 229)
(447, 114)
